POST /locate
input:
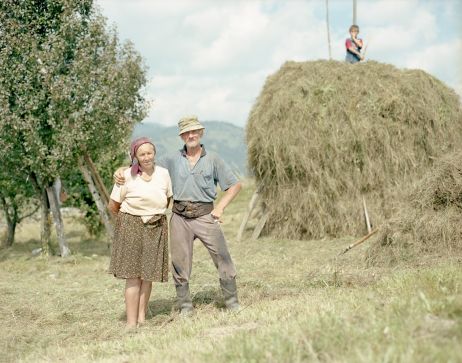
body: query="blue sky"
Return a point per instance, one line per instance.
(211, 57)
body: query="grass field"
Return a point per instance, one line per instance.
(301, 304)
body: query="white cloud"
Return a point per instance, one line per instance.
(211, 58)
(440, 59)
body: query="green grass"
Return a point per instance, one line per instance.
(301, 304)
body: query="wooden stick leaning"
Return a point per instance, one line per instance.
(358, 242)
(366, 217)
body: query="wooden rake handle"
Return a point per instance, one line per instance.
(358, 242)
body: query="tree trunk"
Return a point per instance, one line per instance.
(102, 209)
(97, 180)
(8, 242)
(11, 216)
(58, 221)
(45, 228)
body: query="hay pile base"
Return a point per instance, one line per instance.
(322, 135)
(429, 223)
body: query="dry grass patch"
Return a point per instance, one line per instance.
(301, 304)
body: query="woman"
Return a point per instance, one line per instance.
(140, 248)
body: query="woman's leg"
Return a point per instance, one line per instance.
(132, 298)
(145, 293)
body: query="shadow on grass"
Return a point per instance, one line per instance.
(208, 297)
(160, 307)
(23, 249)
(89, 247)
(84, 247)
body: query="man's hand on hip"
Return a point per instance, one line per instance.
(216, 214)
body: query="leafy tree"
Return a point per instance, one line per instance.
(68, 90)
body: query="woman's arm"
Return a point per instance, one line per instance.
(113, 207)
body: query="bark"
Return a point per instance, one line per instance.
(11, 216)
(102, 208)
(45, 227)
(58, 221)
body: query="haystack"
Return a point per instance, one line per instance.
(429, 222)
(324, 135)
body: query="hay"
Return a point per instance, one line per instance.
(323, 134)
(429, 220)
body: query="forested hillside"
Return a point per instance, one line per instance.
(222, 137)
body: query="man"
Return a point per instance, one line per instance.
(353, 46)
(195, 174)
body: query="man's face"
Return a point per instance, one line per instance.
(192, 138)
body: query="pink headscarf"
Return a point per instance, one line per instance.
(135, 167)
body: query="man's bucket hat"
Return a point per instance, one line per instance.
(189, 123)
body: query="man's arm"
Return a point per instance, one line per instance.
(358, 42)
(230, 193)
(353, 50)
(119, 178)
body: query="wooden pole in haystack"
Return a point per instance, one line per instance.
(354, 12)
(328, 29)
(260, 224)
(252, 204)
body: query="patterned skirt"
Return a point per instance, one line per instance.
(140, 250)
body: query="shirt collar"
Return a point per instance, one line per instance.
(203, 152)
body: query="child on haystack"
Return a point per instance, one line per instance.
(353, 46)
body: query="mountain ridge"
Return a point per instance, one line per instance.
(223, 138)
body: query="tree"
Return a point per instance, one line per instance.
(68, 89)
(17, 203)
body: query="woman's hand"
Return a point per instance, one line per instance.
(113, 207)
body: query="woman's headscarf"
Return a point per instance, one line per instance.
(135, 145)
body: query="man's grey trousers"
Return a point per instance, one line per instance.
(183, 232)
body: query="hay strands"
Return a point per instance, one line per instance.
(358, 242)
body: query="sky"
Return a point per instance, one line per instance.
(210, 58)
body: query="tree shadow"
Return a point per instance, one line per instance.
(19, 249)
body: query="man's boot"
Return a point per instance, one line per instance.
(229, 289)
(184, 299)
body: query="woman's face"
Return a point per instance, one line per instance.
(145, 155)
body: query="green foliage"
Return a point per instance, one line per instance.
(67, 87)
(79, 196)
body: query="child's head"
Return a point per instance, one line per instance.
(354, 29)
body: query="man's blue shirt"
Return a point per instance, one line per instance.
(197, 184)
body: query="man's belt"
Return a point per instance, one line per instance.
(192, 209)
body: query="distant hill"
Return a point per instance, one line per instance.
(226, 139)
